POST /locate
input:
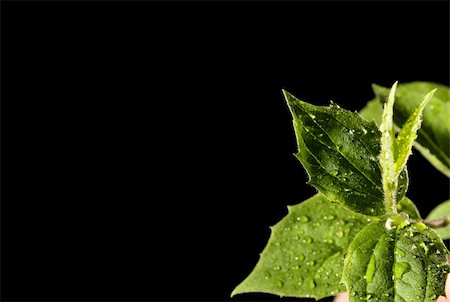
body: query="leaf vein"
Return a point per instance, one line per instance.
(362, 173)
(341, 181)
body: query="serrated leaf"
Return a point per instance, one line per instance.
(372, 112)
(440, 211)
(339, 150)
(434, 136)
(407, 135)
(407, 264)
(304, 255)
(407, 206)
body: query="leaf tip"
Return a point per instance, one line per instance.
(235, 292)
(391, 97)
(287, 95)
(429, 95)
(377, 89)
(291, 101)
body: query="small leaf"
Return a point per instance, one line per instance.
(304, 255)
(405, 264)
(434, 136)
(387, 155)
(387, 139)
(407, 135)
(339, 150)
(438, 212)
(407, 206)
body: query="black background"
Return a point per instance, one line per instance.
(146, 147)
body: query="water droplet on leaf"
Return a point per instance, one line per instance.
(328, 217)
(303, 219)
(280, 283)
(300, 257)
(307, 240)
(400, 268)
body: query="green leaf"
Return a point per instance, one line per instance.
(405, 264)
(407, 206)
(304, 255)
(339, 150)
(434, 136)
(440, 211)
(407, 135)
(387, 158)
(372, 111)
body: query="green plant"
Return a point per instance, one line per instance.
(360, 233)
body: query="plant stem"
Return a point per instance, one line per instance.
(438, 223)
(390, 197)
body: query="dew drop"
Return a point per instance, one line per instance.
(400, 268)
(340, 234)
(303, 219)
(399, 252)
(307, 240)
(277, 268)
(300, 257)
(310, 263)
(424, 247)
(420, 226)
(329, 241)
(334, 172)
(353, 293)
(328, 217)
(280, 283)
(295, 237)
(364, 131)
(312, 284)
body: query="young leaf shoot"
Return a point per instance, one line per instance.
(360, 233)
